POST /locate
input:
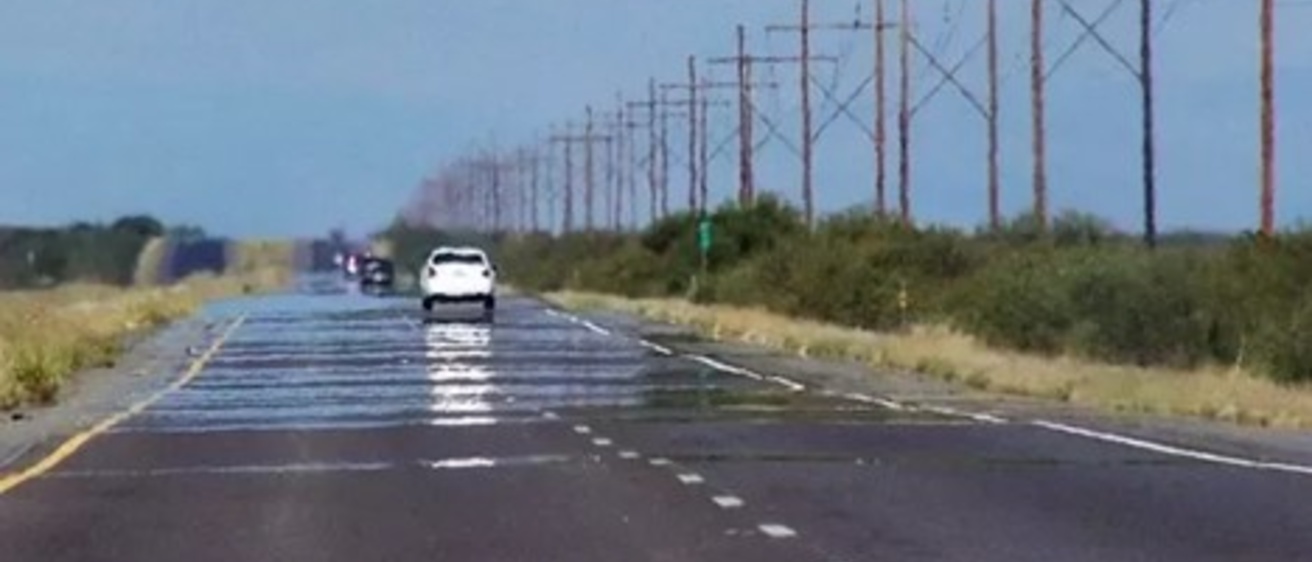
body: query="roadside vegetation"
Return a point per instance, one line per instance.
(47, 335)
(72, 298)
(83, 252)
(1217, 326)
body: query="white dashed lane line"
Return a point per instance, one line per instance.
(728, 502)
(690, 478)
(721, 499)
(777, 531)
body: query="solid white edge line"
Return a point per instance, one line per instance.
(884, 402)
(655, 347)
(728, 502)
(735, 370)
(791, 384)
(777, 531)
(1173, 450)
(987, 418)
(595, 328)
(725, 367)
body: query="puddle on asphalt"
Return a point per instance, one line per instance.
(462, 463)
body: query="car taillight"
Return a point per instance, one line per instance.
(487, 273)
(432, 271)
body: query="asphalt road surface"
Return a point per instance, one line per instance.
(340, 427)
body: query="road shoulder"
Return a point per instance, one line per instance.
(1182, 436)
(151, 363)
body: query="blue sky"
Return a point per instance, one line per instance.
(252, 117)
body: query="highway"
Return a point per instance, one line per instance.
(342, 427)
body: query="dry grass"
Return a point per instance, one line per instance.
(45, 336)
(262, 263)
(1214, 393)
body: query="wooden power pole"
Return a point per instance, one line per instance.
(1268, 110)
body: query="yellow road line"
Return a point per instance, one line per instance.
(77, 441)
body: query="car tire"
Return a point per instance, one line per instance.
(428, 305)
(490, 303)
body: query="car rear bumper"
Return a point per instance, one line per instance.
(457, 298)
(464, 288)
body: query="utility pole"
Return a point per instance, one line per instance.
(804, 30)
(696, 132)
(535, 169)
(524, 190)
(665, 115)
(692, 133)
(879, 26)
(493, 165)
(1149, 152)
(588, 187)
(1142, 71)
(654, 112)
(808, 130)
(549, 183)
(904, 116)
(703, 157)
(1040, 176)
(808, 193)
(881, 106)
(631, 166)
(743, 61)
(652, 147)
(568, 140)
(624, 176)
(746, 189)
(621, 143)
(611, 194)
(995, 205)
(587, 139)
(1268, 118)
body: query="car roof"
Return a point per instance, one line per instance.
(459, 250)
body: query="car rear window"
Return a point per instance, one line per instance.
(383, 266)
(446, 258)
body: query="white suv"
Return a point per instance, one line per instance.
(458, 274)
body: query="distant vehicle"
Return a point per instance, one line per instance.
(377, 275)
(458, 275)
(351, 265)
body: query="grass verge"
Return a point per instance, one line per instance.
(46, 336)
(1226, 394)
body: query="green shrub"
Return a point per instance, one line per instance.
(1019, 300)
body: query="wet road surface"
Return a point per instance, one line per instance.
(340, 427)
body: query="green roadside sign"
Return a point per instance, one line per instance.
(704, 236)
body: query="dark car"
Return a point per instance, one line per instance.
(377, 275)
